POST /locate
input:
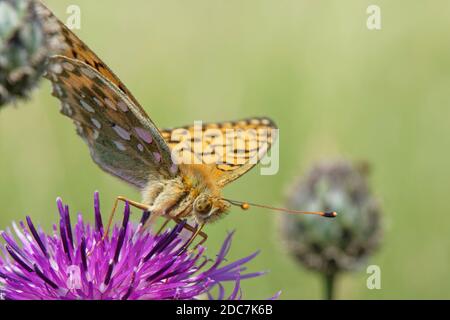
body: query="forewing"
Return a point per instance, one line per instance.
(121, 138)
(230, 149)
(76, 49)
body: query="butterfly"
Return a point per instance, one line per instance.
(125, 142)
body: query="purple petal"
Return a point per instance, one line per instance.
(131, 263)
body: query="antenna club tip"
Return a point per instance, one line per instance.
(331, 214)
(245, 206)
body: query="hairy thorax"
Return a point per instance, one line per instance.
(177, 197)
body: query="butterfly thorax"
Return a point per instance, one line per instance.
(192, 194)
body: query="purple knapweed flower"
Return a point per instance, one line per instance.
(75, 263)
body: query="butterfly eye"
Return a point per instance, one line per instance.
(203, 205)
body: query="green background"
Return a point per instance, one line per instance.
(333, 87)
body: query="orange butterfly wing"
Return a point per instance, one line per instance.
(229, 148)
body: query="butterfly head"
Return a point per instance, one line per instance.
(208, 208)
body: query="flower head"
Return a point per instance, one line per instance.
(131, 263)
(345, 242)
(28, 35)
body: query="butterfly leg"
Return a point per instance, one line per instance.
(163, 225)
(111, 216)
(196, 232)
(135, 204)
(201, 234)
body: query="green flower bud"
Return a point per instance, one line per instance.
(330, 246)
(26, 40)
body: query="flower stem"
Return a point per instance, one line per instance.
(329, 282)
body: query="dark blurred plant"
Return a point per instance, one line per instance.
(342, 244)
(26, 40)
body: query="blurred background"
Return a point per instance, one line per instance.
(333, 87)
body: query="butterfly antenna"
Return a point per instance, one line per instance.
(247, 205)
